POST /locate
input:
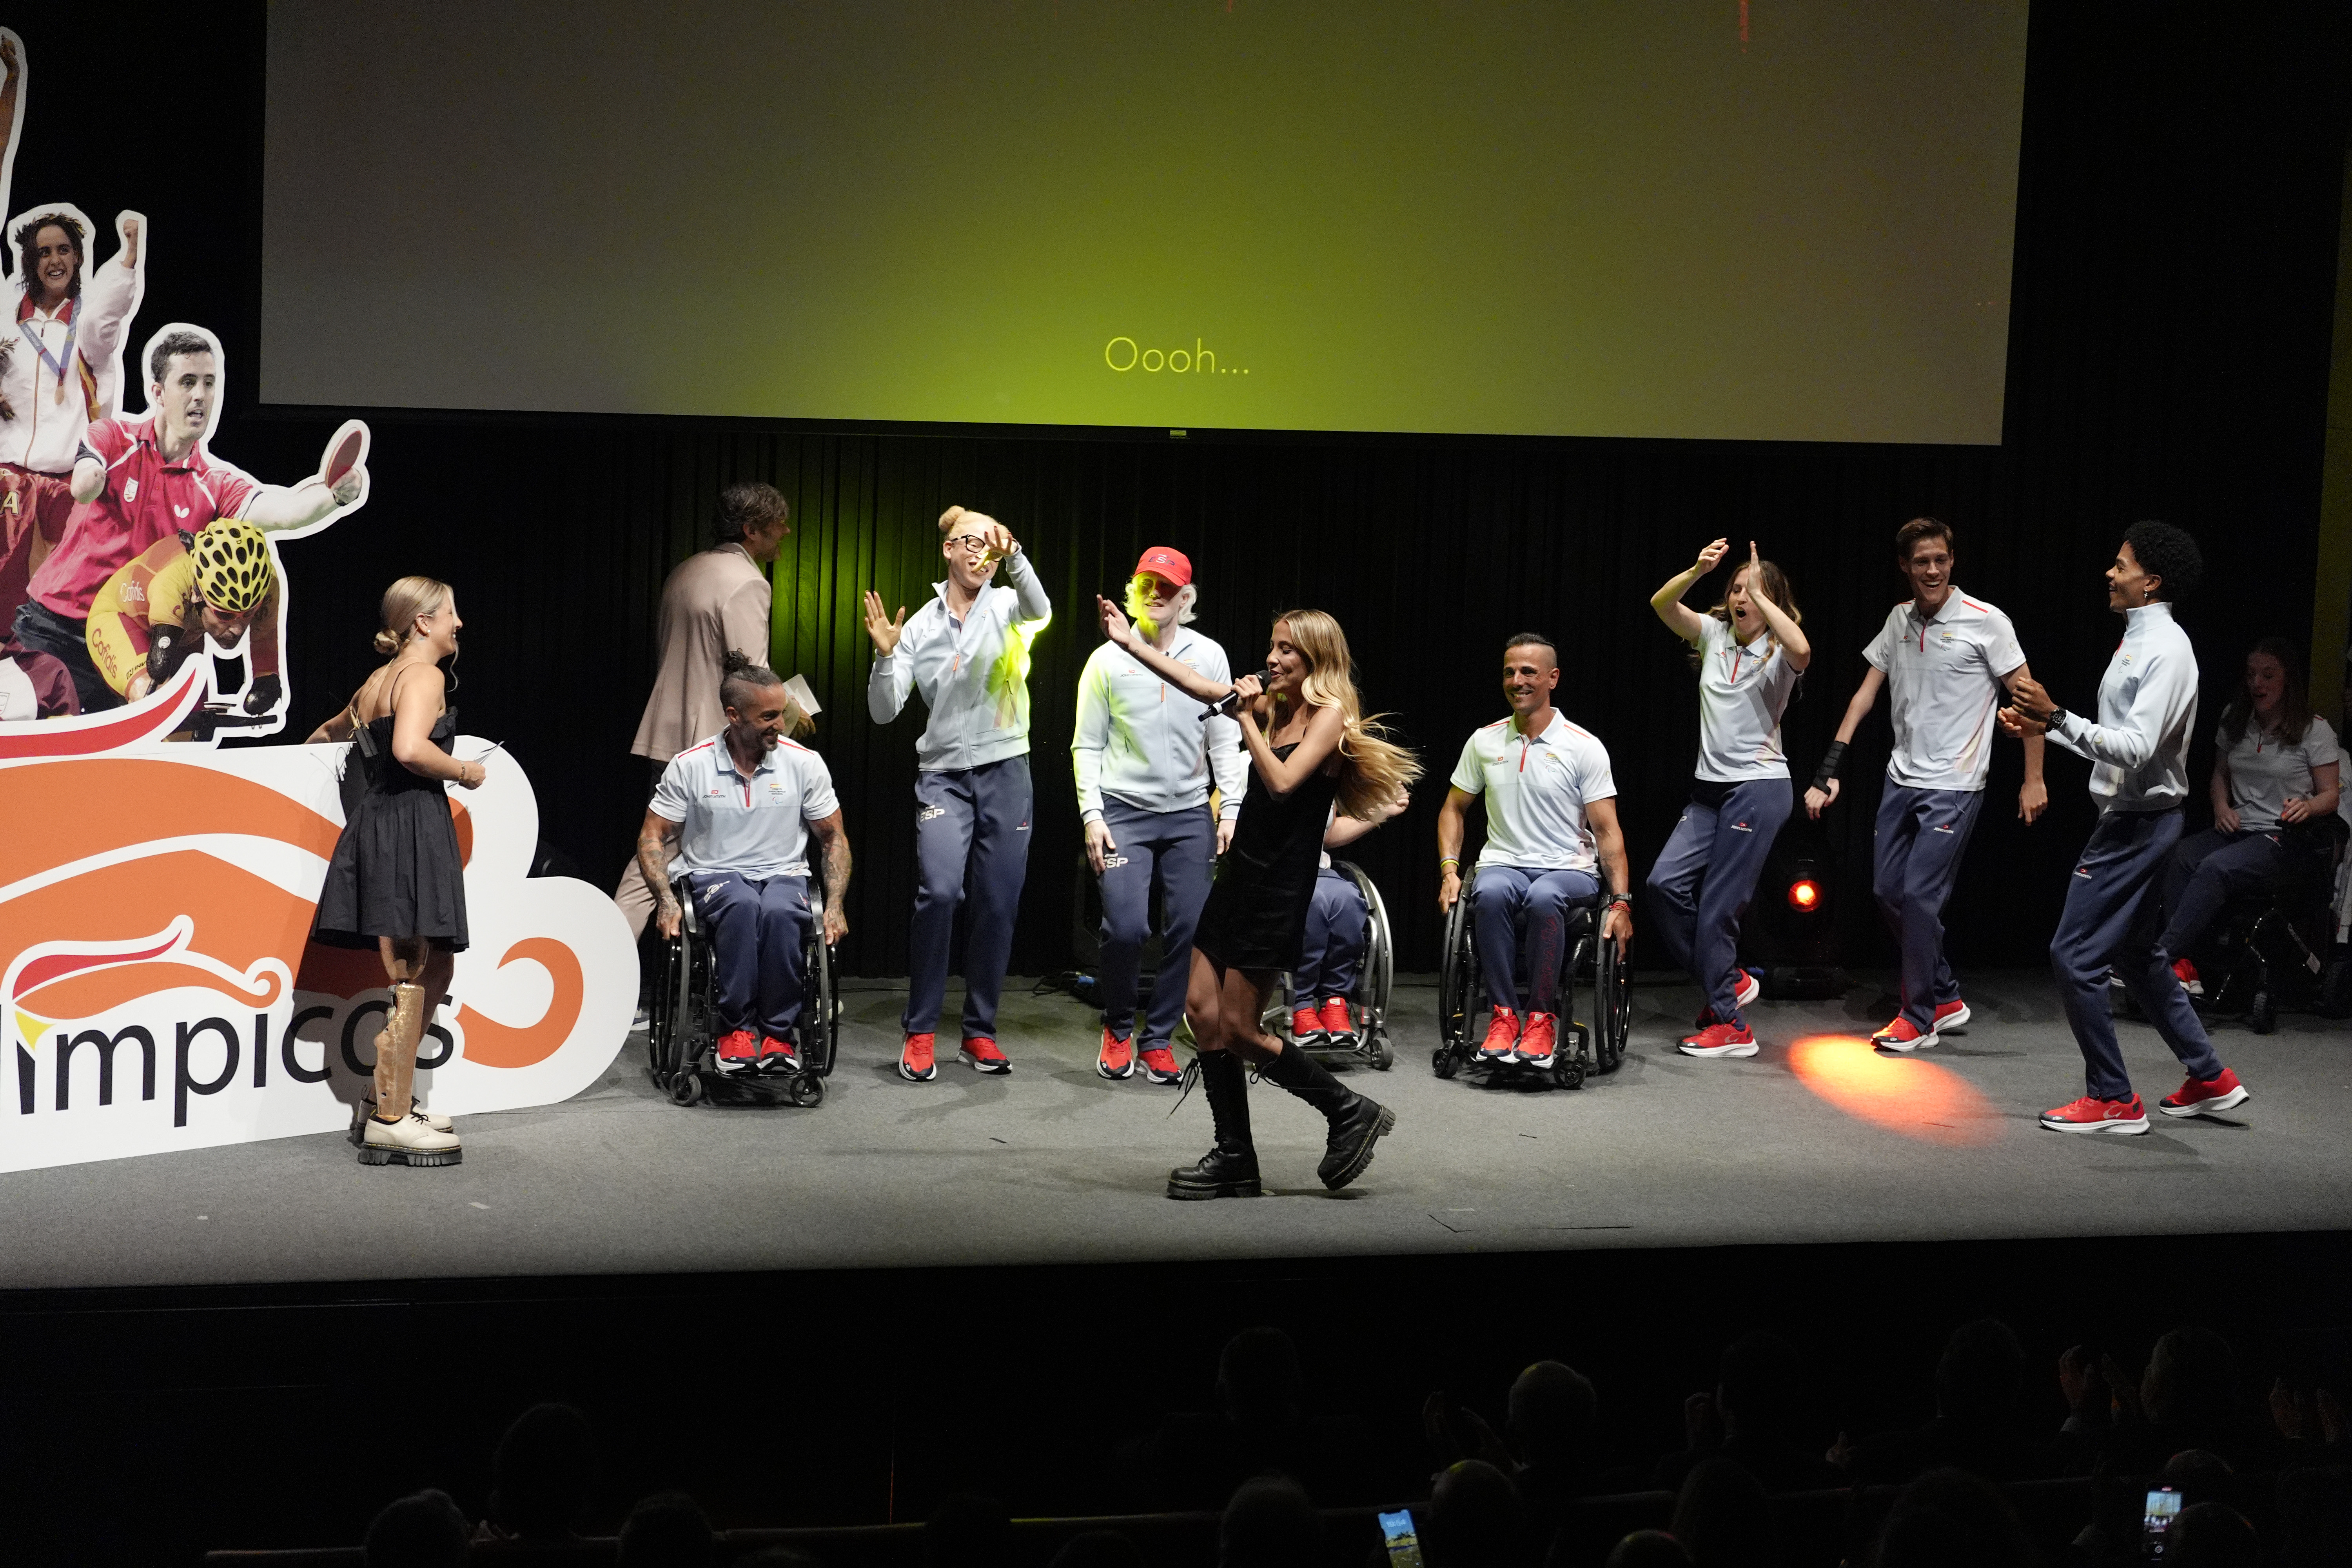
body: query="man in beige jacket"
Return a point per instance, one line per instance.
(715, 601)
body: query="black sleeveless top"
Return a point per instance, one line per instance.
(1257, 914)
(396, 869)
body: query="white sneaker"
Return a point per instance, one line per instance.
(410, 1140)
(437, 1122)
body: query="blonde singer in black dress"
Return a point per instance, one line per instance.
(1309, 744)
(396, 882)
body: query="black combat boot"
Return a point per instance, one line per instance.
(1230, 1169)
(1357, 1123)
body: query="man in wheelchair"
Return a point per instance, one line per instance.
(733, 818)
(1552, 832)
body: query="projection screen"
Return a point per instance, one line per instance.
(1759, 220)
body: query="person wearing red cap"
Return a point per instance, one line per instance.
(1145, 754)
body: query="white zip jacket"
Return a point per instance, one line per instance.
(46, 432)
(974, 677)
(1143, 741)
(2147, 712)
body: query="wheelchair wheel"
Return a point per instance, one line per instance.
(1457, 982)
(686, 1087)
(1376, 978)
(1612, 1006)
(1569, 1073)
(805, 1089)
(2262, 1016)
(1383, 1053)
(820, 1008)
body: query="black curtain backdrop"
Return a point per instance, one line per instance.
(2169, 354)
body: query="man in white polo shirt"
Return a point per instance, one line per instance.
(1946, 657)
(1552, 825)
(748, 801)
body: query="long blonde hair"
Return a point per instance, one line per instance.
(1373, 769)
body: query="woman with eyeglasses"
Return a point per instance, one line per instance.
(966, 651)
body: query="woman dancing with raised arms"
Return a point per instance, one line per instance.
(1308, 744)
(396, 882)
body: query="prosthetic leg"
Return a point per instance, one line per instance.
(393, 1134)
(1356, 1123)
(1228, 1170)
(378, 1102)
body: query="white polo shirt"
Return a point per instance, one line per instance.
(1943, 682)
(1742, 690)
(1536, 790)
(2267, 771)
(755, 826)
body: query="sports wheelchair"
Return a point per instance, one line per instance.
(2276, 941)
(1584, 1048)
(1368, 1003)
(685, 1025)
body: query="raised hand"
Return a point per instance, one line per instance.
(1711, 557)
(1114, 622)
(348, 488)
(881, 626)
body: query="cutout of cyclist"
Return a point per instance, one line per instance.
(154, 615)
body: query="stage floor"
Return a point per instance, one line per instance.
(1816, 1139)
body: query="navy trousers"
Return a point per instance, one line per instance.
(1704, 878)
(758, 933)
(971, 841)
(2205, 871)
(1922, 835)
(1507, 899)
(2110, 921)
(1335, 941)
(1175, 853)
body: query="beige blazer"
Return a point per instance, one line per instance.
(715, 601)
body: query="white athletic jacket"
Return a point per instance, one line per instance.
(2147, 711)
(974, 677)
(1143, 739)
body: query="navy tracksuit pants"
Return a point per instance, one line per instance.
(2110, 921)
(971, 841)
(1704, 878)
(1174, 852)
(1504, 899)
(1921, 837)
(759, 932)
(2206, 870)
(1336, 922)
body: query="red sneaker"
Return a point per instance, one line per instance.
(1720, 1040)
(1706, 1016)
(1116, 1057)
(1336, 1022)
(1952, 1015)
(2198, 1096)
(915, 1064)
(1160, 1065)
(2124, 1116)
(981, 1053)
(1537, 1042)
(1306, 1025)
(739, 1051)
(778, 1057)
(2186, 973)
(1903, 1036)
(1744, 988)
(1502, 1036)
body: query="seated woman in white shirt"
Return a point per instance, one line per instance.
(2275, 768)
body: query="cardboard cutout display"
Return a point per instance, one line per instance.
(159, 989)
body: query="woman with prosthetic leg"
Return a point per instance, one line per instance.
(397, 882)
(1308, 746)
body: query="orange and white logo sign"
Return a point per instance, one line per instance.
(158, 989)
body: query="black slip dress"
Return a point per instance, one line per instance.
(1257, 914)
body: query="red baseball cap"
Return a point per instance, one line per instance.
(1164, 563)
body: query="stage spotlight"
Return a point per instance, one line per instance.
(1804, 895)
(1791, 940)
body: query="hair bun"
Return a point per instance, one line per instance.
(732, 662)
(948, 517)
(386, 643)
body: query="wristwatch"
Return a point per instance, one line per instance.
(2056, 721)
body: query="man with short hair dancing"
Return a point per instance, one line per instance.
(2139, 754)
(1945, 656)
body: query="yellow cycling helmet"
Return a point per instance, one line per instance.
(233, 568)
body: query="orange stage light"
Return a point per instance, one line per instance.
(1903, 1095)
(1804, 895)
